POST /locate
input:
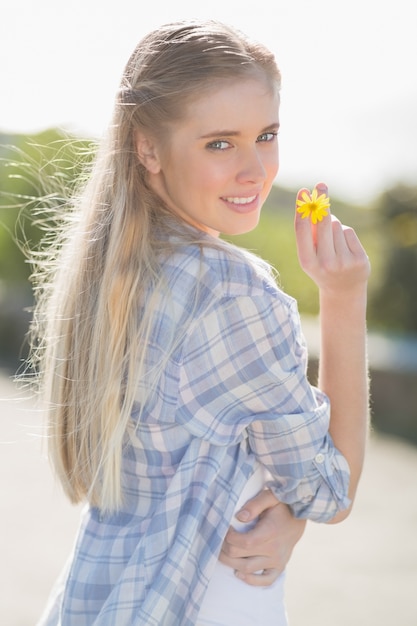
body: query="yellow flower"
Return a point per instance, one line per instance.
(314, 205)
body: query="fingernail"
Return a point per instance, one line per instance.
(243, 515)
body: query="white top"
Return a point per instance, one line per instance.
(230, 601)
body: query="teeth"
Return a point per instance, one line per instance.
(241, 200)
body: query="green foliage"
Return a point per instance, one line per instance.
(36, 172)
(394, 302)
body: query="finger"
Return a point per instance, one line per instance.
(345, 239)
(357, 253)
(323, 225)
(339, 243)
(353, 242)
(236, 545)
(250, 542)
(250, 565)
(246, 544)
(265, 499)
(233, 547)
(322, 231)
(304, 232)
(255, 538)
(264, 579)
(322, 188)
(303, 194)
(325, 239)
(307, 235)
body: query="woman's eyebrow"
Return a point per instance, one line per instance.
(235, 133)
(221, 133)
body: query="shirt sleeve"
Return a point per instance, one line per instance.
(243, 376)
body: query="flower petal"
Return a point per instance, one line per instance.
(313, 205)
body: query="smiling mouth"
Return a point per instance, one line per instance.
(239, 200)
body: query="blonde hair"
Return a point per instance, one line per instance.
(89, 334)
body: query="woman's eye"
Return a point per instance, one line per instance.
(218, 145)
(268, 136)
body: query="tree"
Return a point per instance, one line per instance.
(394, 303)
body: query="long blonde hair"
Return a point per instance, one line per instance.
(90, 339)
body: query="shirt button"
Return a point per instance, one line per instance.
(319, 458)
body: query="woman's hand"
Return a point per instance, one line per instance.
(265, 548)
(331, 253)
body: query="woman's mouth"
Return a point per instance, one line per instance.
(242, 204)
(239, 200)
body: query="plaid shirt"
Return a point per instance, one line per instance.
(233, 393)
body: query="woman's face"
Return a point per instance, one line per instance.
(218, 164)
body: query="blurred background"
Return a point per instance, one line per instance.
(349, 99)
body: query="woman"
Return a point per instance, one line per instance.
(173, 364)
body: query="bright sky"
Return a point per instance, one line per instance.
(349, 97)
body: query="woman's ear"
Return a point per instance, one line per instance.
(147, 153)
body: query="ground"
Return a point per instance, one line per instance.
(362, 572)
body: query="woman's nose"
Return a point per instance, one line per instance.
(252, 169)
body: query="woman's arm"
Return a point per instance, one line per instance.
(333, 257)
(267, 546)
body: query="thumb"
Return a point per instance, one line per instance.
(257, 505)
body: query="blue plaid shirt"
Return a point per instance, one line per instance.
(233, 393)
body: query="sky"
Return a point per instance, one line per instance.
(349, 94)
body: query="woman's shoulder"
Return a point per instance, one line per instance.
(221, 270)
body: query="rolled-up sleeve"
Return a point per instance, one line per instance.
(307, 472)
(243, 378)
